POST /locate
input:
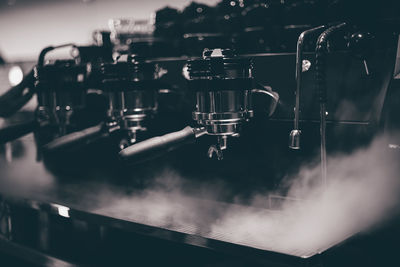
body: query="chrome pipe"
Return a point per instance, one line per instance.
(320, 61)
(322, 131)
(294, 137)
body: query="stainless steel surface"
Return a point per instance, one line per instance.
(172, 216)
(195, 231)
(134, 223)
(31, 256)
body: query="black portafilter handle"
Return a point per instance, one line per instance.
(159, 145)
(16, 131)
(84, 136)
(17, 96)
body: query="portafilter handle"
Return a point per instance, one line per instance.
(16, 131)
(17, 96)
(85, 136)
(159, 145)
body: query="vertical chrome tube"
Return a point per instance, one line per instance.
(294, 138)
(320, 61)
(322, 131)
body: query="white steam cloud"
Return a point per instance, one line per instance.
(363, 190)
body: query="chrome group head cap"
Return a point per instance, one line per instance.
(220, 64)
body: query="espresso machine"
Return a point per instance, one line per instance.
(60, 92)
(244, 76)
(224, 87)
(130, 86)
(60, 87)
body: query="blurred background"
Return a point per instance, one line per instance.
(29, 26)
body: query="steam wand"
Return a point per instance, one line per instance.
(320, 62)
(294, 137)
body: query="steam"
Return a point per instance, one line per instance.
(363, 190)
